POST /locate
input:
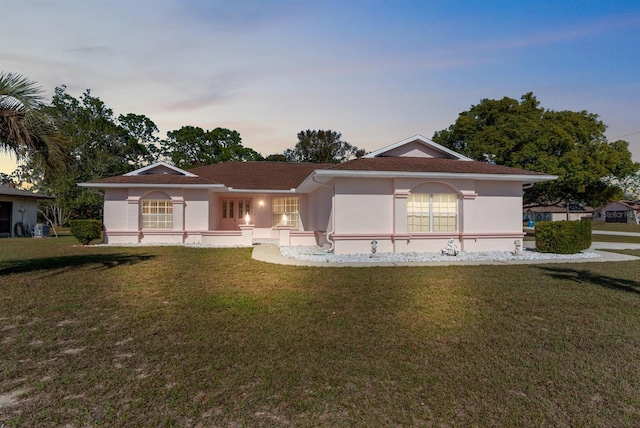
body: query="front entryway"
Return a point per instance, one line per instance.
(233, 213)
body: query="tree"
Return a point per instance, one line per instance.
(99, 146)
(323, 146)
(7, 180)
(276, 157)
(190, 146)
(25, 127)
(141, 140)
(630, 186)
(569, 144)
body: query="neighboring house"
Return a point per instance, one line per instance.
(619, 212)
(413, 195)
(557, 213)
(17, 206)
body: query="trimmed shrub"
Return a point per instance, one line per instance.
(86, 230)
(563, 237)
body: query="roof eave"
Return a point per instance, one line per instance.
(151, 185)
(525, 178)
(218, 187)
(231, 189)
(324, 176)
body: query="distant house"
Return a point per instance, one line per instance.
(556, 213)
(619, 212)
(17, 207)
(414, 195)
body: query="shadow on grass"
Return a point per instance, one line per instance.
(588, 277)
(61, 264)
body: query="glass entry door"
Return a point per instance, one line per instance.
(233, 213)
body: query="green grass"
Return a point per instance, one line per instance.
(167, 336)
(615, 227)
(615, 238)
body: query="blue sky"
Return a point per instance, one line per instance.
(376, 71)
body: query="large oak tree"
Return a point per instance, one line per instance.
(569, 144)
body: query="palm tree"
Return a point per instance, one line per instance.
(25, 128)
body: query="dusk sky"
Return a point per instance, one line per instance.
(376, 71)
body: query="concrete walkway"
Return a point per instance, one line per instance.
(270, 253)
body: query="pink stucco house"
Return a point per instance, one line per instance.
(413, 195)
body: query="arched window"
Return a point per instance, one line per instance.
(157, 214)
(432, 212)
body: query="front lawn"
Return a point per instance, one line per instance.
(615, 227)
(172, 336)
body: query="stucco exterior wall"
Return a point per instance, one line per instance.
(320, 205)
(496, 207)
(196, 209)
(363, 206)
(364, 210)
(116, 210)
(489, 215)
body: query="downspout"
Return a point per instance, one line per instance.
(332, 228)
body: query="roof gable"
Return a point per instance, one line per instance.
(160, 168)
(417, 147)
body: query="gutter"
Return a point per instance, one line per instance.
(525, 178)
(332, 229)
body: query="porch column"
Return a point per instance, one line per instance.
(247, 234)
(464, 212)
(178, 215)
(133, 213)
(400, 233)
(284, 235)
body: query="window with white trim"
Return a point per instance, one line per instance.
(157, 214)
(432, 212)
(286, 212)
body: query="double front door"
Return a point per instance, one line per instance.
(234, 212)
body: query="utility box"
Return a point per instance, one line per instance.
(41, 230)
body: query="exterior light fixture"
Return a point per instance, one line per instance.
(247, 218)
(284, 219)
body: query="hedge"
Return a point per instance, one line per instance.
(563, 237)
(86, 230)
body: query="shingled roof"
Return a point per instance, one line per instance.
(289, 175)
(259, 175)
(236, 175)
(12, 191)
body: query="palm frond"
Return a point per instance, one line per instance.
(20, 88)
(25, 128)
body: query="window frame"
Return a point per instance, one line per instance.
(288, 206)
(161, 219)
(426, 212)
